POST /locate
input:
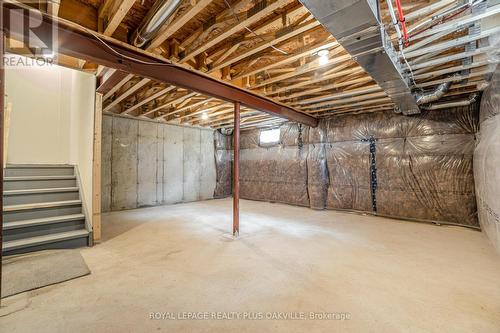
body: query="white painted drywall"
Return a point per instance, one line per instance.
(82, 132)
(40, 112)
(52, 119)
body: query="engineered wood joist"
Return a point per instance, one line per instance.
(272, 47)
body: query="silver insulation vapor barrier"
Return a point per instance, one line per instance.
(417, 168)
(156, 17)
(487, 162)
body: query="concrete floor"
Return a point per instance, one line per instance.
(384, 275)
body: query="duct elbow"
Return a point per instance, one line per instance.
(138, 40)
(433, 96)
(446, 105)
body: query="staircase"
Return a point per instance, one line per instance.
(42, 209)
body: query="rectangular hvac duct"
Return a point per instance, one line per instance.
(356, 26)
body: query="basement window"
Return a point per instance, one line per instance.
(270, 137)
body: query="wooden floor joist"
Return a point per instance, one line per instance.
(271, 47)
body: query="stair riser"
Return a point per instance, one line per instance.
(20, 199)
(43, 229)
(41, 213)
(34, 171)
(37, 184)
(66, 244)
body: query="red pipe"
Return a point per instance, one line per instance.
(401, 17)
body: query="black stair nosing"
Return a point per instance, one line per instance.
(36, 178)
(42, 205)
(41, 190)
(45, 239)
(42, 221)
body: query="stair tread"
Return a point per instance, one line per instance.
(49, 238)
(44, 220)
(41, 190)
(15, 178)
(38, 166)
(41, 205)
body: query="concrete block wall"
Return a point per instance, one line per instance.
(147, 163)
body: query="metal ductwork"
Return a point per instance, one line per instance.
(433, 96)
(154, 20)
(357, 27)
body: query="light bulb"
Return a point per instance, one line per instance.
(323, 53)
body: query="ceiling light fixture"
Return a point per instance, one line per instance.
(323, 53)
(323, 56)
(204, 116)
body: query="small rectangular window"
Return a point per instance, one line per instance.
(270, 137)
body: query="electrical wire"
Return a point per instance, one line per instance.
(409, 67)
(250, 30)
(96, 36)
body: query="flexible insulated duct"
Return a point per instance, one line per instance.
(433, 96)
(446, 105)
(154, 20)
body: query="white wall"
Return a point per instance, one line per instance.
(52, 119)
(81, 147)
(40, 114)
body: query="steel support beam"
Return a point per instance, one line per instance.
(75, 41)
(236, 170)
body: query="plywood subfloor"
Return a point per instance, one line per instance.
(389, 276)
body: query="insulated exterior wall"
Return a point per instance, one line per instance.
(487, 162)
(417, 167)
(277, 173)
(223, 162)
(147, 163)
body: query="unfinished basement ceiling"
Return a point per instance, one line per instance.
(278, 49)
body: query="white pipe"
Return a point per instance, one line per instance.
(395, 23)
